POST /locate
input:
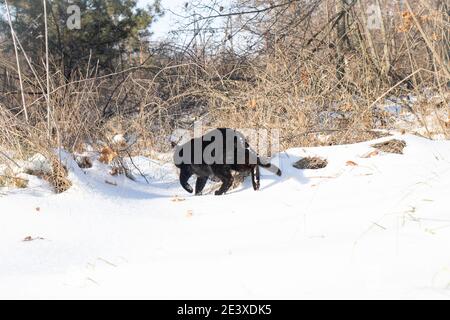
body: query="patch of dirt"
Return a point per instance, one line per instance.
(391, 146)
(311, 163)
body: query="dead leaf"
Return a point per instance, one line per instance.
(351, 163)
(371, 154)
(20, 183)
(107, 155)
(114, 171)
(177, 199)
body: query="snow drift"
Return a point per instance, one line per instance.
(368, 225)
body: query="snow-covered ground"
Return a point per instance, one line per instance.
(375, 227)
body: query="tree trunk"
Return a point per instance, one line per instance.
(444, 7)
(341, 34)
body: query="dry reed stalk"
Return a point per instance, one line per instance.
(17, 61)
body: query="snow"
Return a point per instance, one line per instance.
(380, 229)
(119, 139)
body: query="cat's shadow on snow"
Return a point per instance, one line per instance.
(288, 173)
(133, 194)
(141, 190)
(123, 188)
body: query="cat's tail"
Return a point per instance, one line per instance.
(269, 167)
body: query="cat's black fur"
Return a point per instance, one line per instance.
(221, 170)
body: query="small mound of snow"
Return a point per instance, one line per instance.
(119, 139)
(38, 163)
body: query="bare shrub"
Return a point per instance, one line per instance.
(312, 163)
(391, 146)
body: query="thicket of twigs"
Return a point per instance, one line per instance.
(313, 69)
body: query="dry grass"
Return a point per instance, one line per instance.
(13, 181)
(313, 163)
(84, 162)
(391, 146)
(57, 177)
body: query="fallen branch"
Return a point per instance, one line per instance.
(8, 158)
(139, 170)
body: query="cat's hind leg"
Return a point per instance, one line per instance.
(224, 174)
(200, 185)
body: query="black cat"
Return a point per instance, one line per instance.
(216, 155)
